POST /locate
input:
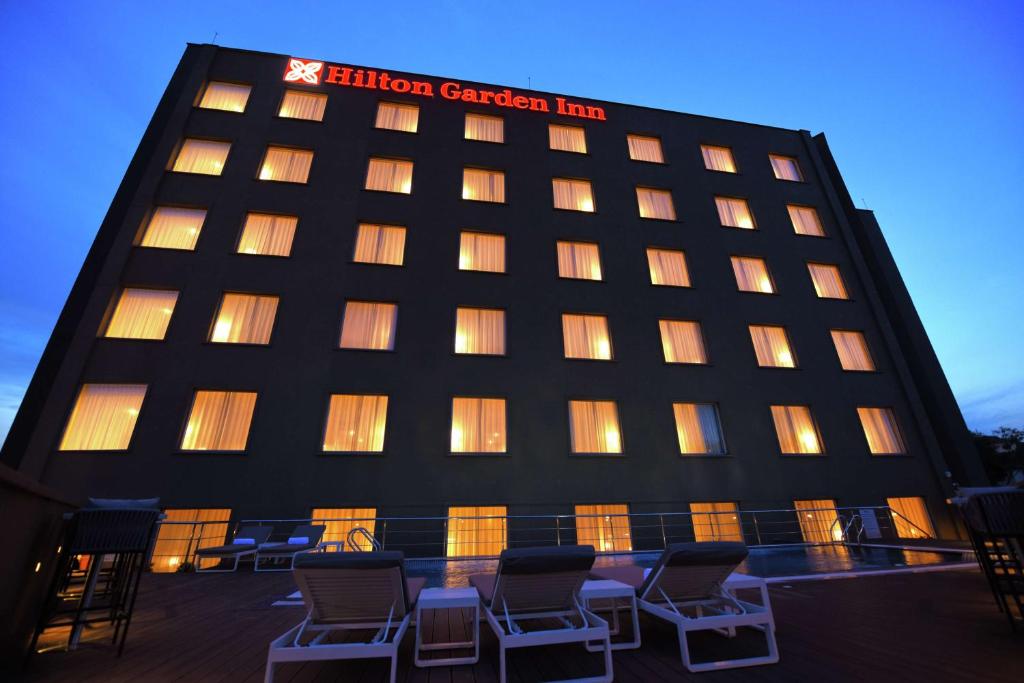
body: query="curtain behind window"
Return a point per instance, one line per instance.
(356, 423)
(752, 275)
(785, 168)
(303, 105)
(479, 251)
(579, 260)
(184, 531)
(485, 128)
(716, 522)
(219, 421)
(225, 96)
(483, 186)
(244, 319)
(734, 213)
(697, 428)
(478, 425)
(805, 220)
(818, 520)
(594, 427)
(402, 117)
(795, 429)
(173, 228)
(476, 531)
(828, 283)
(606, 527)
(682, 342)
(643, 148)
(265, 234)
(853, 351)
(575, 195)
(586, 336)
(911, 518)
(369, 325)
(286, 165)
(383, 244)
(772, 346)
(389, 175)
(142, 314)
(340, 521)
(880, 429)
(480, 331)
(668, 267)
(718, 158)
(655, 204)
(201, 156)
(567, 138)
(103, 418)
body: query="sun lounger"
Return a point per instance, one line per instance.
(303, 539)
(245, 542)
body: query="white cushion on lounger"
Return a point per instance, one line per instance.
(298, 540)
(245, 541)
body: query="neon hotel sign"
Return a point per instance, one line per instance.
(314, 73)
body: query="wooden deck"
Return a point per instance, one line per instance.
(941, 626)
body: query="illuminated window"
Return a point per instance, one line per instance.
(594, 427)
(668, 267)
(785, 168)
(225, 96)
(752, 275)
(206, 157)
(718, 158)
(682, 342)
(573, 195)
(183, 531)
(586, 336)
(655, 204)
(401, 117)
(355, 423)
(772, 346)
(881, 431)
(173, 228)
(716, 522)
(142, 314)
(734, 213)
(267, 234)
(381, 244)
(567, 138)
(796, 430)
(369, 325)
(480, 331)
(244, 319)
(340, 521)
(478, 425)
(578, 260)
(828, 283)
(481, 251)
(645, 148)
(308, 106)
(103, 418)
(606, 527)
(910, 515)
(485, 128)
(483, 186)
(819, 520)
(698, 429)
(476, 531)
(805, 220)
(853, 352)
(219, 421)
(389, 175)
(286, 165)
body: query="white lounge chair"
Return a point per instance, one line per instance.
(246, 541)
(304, 539)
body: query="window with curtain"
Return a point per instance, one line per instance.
(805, 220)
(819, 520)
(308, 106)
(645, 148)
(785, 168)
(910, 515)
(266, 234)
(380, 244)
(369, 325)
(771, 345)
(395, 116)
(485, 128)
(476, 531)
(142, 314)
(796, 430)
(828, 283)
(578, 260)
(734, 213)
(225, 96)
(205, 157)
(716, 522)
(698, 429)
(173, 228)
(718, 158)
(655, 204)
(567, 138)
(573, 195)
(244, 319)
(286, 165)
(479, 185)
(103, 417)
(389, 175)
(606, 527)
(480, 331)
(340, 521)
(752, 275)
(482, 251)
(852, 348)
(219, 421)
(682, 342)
(183, 531)
(594, 427)
(355, 423)
(881, 431)
(586, 336)
(668, 267)
(478, 425)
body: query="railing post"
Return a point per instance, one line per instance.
(558, 530)
(757, 529)
(383, 534)
(664, 538)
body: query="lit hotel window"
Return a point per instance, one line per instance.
(594, 427)
(796, 430)
(476, 531)
(772, 346)
(103, 418)
(369, 325)
(645, 148)
(340, 521)
(308, 106)
(567, 138)
(716, 522)
(819, 520)
(485, 128)
(173, 228)
(734, 213)
(142, 314)
(226, 96)
(186, 530)
(682, 342)
(785, 168)
(573, 195)
(586, 336)
(752, 275)
(606, 527)
(401, 117)
(698, 429)
(482, 251)
(219, 421)
(910, 515)
(355, 423)
(668, 267)
(853, 352)
(718, 158)
(578, 260)
(267, 234)
(480, 331)
(828, 283)
(805, 220)
(244, 319)
(881, 431)
(655, 204)
(206, 157)
(389, 175)
(380, 244)
(478, 425)
(286, 165)
(483, 186)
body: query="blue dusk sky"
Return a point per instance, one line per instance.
(922, 102)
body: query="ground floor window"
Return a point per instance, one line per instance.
(340, 521)
(716, 522)
(606, 527)
(477, 531)
(910, 516)
(184, 531)
(819, 520)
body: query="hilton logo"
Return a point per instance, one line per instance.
(306, 72)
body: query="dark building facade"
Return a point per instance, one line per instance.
(300, 302)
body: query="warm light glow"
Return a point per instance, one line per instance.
(573, 195)
(594, 427)
(478, 425)
(201, 156)
(369, 325)
(682, 342)
(483, 186)
(284, 164)
(340, 521)
(142, 314)
(771, 345)
(173, 228)
(184, 531)
(586, 336)
(606, 527)
(655, 204)
(356, 423)
(476, 531)
(389, 175)
(103, 417)
(39, 565)
(308, 106)
(482, 252)
(795, 429)
(219, 421)
(225, 96)
(715, 522)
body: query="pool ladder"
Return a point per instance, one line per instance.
(845, 529)
(359, 533)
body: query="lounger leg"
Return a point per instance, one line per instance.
(268, 676)
(684, 648)
(394, 662)
(609, 674)
(501, 663)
